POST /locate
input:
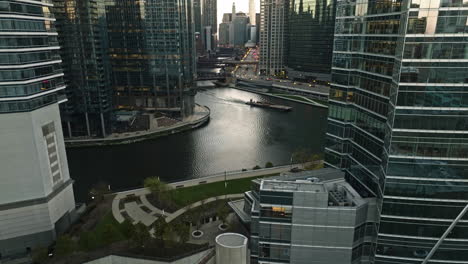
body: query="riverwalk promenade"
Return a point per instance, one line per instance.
(140, 210)
(200, 116)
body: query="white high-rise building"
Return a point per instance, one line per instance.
(252, 13)
(272, 39)
(36, 192)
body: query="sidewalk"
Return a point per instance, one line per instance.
(200, 116)
(139, 209)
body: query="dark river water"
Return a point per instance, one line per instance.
(237, 136)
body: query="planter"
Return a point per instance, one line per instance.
(223, 227)
(197, 234)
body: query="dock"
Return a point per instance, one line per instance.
(269, 105)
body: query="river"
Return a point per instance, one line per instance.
(237, 136)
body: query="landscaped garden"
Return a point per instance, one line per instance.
(163, 197)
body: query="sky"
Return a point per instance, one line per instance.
(225, 6)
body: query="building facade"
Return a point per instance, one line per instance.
(240, 26)
(309, 217)
(223, 34)
(82, 37)
(398, 122)
(273, 17)
(36, 193)
(152, 54)
(309, 37)
(210, 14)
(197, 15)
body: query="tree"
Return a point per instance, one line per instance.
(126, 228)
(182, 230)
(269, 165)
(222, 211)
(162, 230)
(160, 226)
(315, 162)
(202, 212)
(88, 241)
(65, 245)
(157, 188)
(141, 236)
(300, 156)
(99, 190)
(39, 255)
(195, 216)
(110, 234)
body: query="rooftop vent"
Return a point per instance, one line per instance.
(338, 198)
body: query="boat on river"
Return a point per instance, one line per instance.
(283, 108)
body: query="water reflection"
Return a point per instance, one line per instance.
(237, 136)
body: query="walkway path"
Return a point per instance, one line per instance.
(201, 115)
(134, 205)
(266, 93)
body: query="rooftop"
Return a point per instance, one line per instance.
(326, 181)
(231, 240)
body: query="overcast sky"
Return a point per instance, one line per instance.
(225, 6)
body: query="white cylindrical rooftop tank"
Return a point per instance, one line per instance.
(231, 248)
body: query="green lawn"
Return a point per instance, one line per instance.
(107, 231)
(189, 195)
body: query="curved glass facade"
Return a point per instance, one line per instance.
(398, 121)
(310, 28)
(426, 145)
(82, 37)
(152, 53)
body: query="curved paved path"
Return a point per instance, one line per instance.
(139, 209)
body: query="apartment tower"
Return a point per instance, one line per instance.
(81, 26)
(273, 15)
(152, 54)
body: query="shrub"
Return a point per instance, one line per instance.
(65, 246)
(256, 167)
(268, 165)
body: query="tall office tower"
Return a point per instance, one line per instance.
(208, 37)
(224, 34)
(309, 41)
(239, 25)
(197, 15)
(257, 26)
(252, 14)
(273, 15)
(82, 37)
(36, 193)
(227, 17)
(398, 119)
(233, 13)
(231, 27)
(152, 54)
(210, 18)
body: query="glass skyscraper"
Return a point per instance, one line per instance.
(398, 121)
(309, 39)
(82, 36)
(152, 54)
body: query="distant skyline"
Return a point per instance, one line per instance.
(225, 6)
